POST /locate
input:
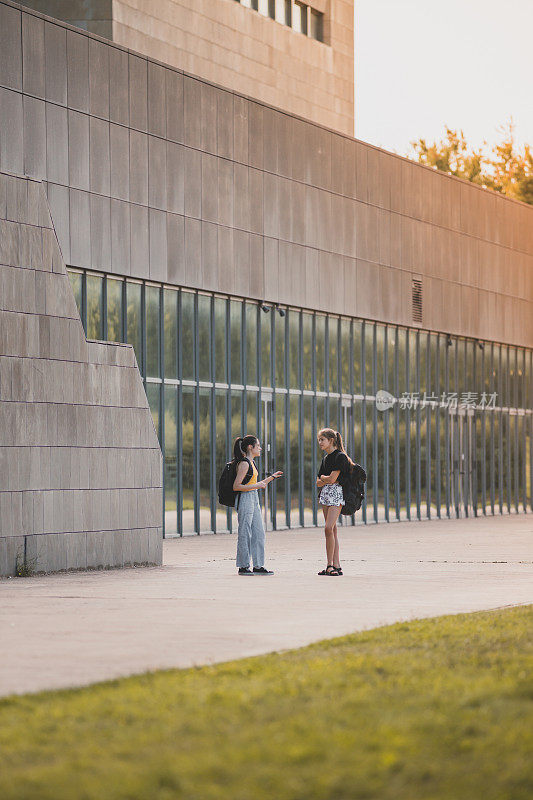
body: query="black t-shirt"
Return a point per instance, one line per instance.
(333, 461)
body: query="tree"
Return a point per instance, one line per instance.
(506, 168)
(451, 155)
(511, 169)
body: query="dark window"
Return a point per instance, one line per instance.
(317, 25)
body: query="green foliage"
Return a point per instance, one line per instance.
(24, 567)
(506, 168)
(439, 709)
(451, 155)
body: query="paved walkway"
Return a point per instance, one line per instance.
(77, 628)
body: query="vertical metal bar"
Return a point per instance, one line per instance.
(314, 461)
(242, 339)
(491, 418)
(213, 439)
(396, 407)
(313, 352)
(522, 477)
(484, 359)
(124, 315)
(498, 416)
(301, 476)
(162, 394)
(447, 470)
(104, 308)
(408, 335)
(196, 417)
(529, 405)
(271, 446)
(351, 416)
(84, 301)
(301, 470)
(142, 366)
(287, 437)
(452, 471)
(179, 426)
(386, 423)
(326, 364)
(428, 427)
(516, 461)
(363, 410)
(179, 466)
(375, 434)
(313, 414)
(265, 440)
(418, 453)
(436, 390)
(509, 469)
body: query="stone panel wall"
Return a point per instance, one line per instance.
(156, 174)
(80, 464)
(236, 47)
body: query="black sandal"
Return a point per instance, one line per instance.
(330, 570)
(339, 571)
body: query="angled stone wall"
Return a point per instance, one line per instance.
(80, 464)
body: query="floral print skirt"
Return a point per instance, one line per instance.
(331, 495)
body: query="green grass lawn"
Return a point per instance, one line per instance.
(439, 708)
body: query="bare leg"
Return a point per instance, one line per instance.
(325, 512)
(331, 515)
(336, 558)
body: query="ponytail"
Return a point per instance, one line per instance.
(340, 446)
(237, 449)
(241, 445)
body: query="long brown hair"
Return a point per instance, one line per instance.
(241, 445)
(336, 438)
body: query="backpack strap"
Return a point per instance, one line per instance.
(249, 474)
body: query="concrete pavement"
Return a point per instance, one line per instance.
(72, 629)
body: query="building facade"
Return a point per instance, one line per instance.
(295, 56)
(274, 276)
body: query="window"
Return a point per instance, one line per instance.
(95, 322)
(152, 298)
(204, 337)
(133, 317)
(317, 25)
(251, 344)
(114, 310)
(283, 12)
(219, 344)
(171, 458)
(76, 284)
(170, 326)
(299, 18)
(267, 8)
(187, 336)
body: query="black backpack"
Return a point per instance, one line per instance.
(226, 493)
(353, 488)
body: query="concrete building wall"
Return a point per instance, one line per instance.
(80, 464)
(156, 174)
(228, 44)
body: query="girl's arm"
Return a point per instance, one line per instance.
(325, 479)
(242, 471)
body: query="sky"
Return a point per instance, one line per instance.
(419, 66)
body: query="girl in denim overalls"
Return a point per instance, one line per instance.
(251, 536)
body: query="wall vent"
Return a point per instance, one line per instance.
(416, 296)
